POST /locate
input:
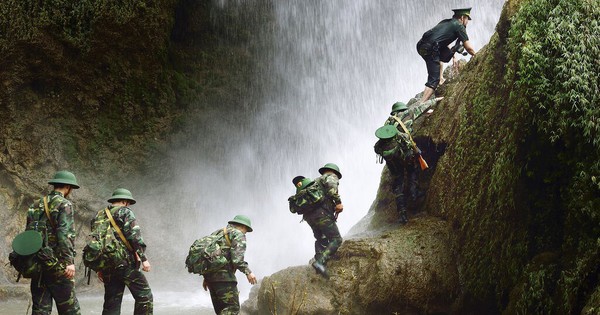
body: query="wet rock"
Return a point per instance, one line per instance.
(408, 269)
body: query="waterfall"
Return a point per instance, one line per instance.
(333, 70)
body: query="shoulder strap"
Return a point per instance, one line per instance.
(114, 224)
(226, 237)
(406, 131)
(48, 212)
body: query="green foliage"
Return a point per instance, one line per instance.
(552, 69)
(524, 166)
(72, 21)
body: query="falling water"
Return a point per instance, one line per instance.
(334, 68)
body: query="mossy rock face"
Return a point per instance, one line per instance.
(409, 270)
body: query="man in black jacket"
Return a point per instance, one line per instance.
(433, 47)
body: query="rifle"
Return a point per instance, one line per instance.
(420, 158)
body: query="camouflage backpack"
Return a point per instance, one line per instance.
(208, 254)
(309, 197)
(29, 260)
(396, 149)
(105, 250)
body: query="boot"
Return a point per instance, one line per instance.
(403, 218)
(320, 268)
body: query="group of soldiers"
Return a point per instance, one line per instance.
(395, 144)
(52, 216)
(54, 212)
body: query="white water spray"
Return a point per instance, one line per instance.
(338, 66)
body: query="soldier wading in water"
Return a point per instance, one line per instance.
(53, 214)
(223, 283)
(128, 274)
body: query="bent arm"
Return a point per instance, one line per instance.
(469, 47)
(65, 234)
(132, 232)
(238, 249)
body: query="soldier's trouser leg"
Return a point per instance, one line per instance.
(225, 297)
(398, 188)
(411, 178)
(114, 286)
(332, 233)
(54, 285)
(327, 235)
(113, 293)
(320, 243)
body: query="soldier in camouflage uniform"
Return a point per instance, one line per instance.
(323, 220)
(128, 274)
(56, 280)
(401, 171)
(223, 283)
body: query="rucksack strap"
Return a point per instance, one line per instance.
(48, 213)
(226, 237)
(405, 130)
(114, 224)
(422, 161)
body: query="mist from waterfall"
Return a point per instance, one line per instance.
(334, 69)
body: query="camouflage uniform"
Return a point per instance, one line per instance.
(128, 275)
(52, 282)
(323, 221)
(223, 283)
(402, 170)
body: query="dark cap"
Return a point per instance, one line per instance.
(461, 12)
(297, 179)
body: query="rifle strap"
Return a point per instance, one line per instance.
(405, 130)
(226, 237)
(48, 213)
(121, 236)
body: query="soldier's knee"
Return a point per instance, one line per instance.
(337, 241)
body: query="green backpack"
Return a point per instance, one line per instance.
(208, 254)
(105, 250)
(396, 150)
(42, 258)
(308, 199)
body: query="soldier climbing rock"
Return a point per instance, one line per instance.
(322, 220)
(433, 47)
(402, 156)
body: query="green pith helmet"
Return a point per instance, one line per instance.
(461, 12)
(122, 194)
(243, 220)
(27, 243)
(64, 177)
(386, 132)
(333, 167)
(397, 107)
(297, 180)
(303, 184)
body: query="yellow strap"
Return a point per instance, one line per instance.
(406, 131)
(226, 237)
(48, 212)
(114, 224)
